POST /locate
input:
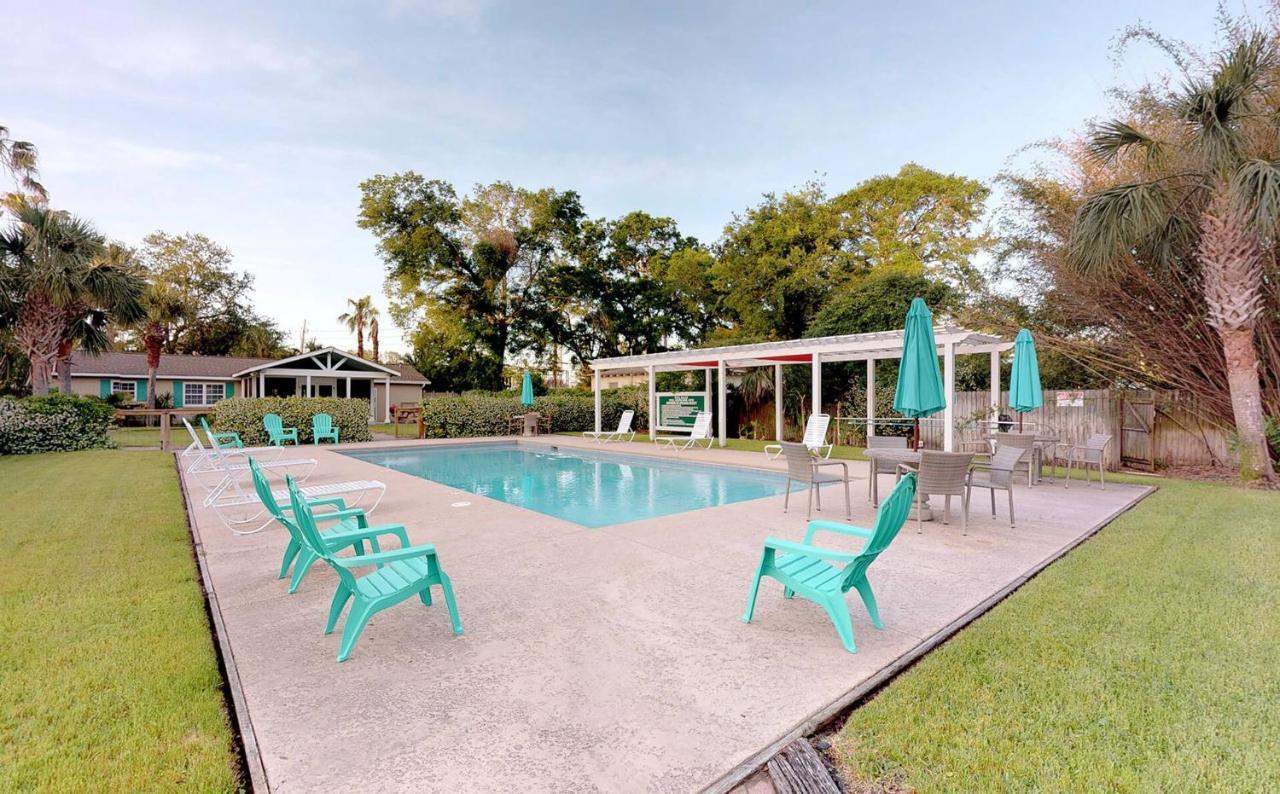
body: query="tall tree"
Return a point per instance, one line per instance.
(215, 298)
(58, 286)
(784, 259)
(20, 160)
(614, 295)
(163, 309)
(482, 254)
(1198, 185)
(362, 317)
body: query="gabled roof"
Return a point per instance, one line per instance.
(849, 347)
(326, 353)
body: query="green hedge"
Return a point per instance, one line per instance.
(477, 414)
(54, 423)
(243, 415)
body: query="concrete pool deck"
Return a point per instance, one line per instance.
(609, 659)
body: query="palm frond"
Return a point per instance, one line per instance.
(1112, 138)
(1117, 219)
(1256, 186)
(1213, 105)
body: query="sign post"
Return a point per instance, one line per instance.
(678, 410)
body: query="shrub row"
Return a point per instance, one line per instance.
(476, 414)
(55, 423)
(243, 415)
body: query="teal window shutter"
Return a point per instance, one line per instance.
(104, 388)
(178, 394)
(142, 391)
(231, 390)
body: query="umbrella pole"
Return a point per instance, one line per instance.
(1019, 421)
(915, 434)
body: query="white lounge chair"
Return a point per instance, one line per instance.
(701, 432)
(624, 429)
(815, 438)
(197, 458)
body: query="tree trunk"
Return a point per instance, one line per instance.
(153, 337)
(1246, 401)
(38, 332)
(64, 366)
(373, 339)
(360, 341)
(1231, 267)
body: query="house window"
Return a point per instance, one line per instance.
(128, 387)
(198, 394)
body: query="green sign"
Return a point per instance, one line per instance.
(677, 410)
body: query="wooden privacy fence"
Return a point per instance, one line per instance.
(1148, 428)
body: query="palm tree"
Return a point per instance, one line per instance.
(163, 308)
(1201, 190)
(59, 287)
(20, 159)
(363, 315)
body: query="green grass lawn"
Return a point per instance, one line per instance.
(126, 437)
(108, 679)
(1145, 660)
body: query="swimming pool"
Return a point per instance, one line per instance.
(593, 489)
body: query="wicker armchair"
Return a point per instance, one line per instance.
(996, 475)
(803, 467)
(882, 442)
(944, 474)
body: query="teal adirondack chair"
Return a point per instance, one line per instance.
(277, 433)
(322, 427)
(804, 569)
(221, 439)
(352, 531)
(403, 573)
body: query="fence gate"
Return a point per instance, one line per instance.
(1137, 444)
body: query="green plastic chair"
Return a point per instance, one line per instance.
(803, 568)
(322, 427)
(353, 529)
(221, 439)
(277, 433)
(403, 573)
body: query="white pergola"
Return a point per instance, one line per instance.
(952, 341)
(327, 367)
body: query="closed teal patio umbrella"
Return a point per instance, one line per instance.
(1024, 382)
(526, 390)
(920, 390)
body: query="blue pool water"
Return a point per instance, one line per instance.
(594, 489)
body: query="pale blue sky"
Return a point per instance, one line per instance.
(254, 122)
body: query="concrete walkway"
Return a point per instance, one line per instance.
(606, 659)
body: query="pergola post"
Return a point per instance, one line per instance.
(722, 421)
(949, 393)
(817, 384)
(871, 398)
(309, 386)
(777, 401)
(653, 404)
(262, 384)
(595, 387)
(995, 390)
(706, 388)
